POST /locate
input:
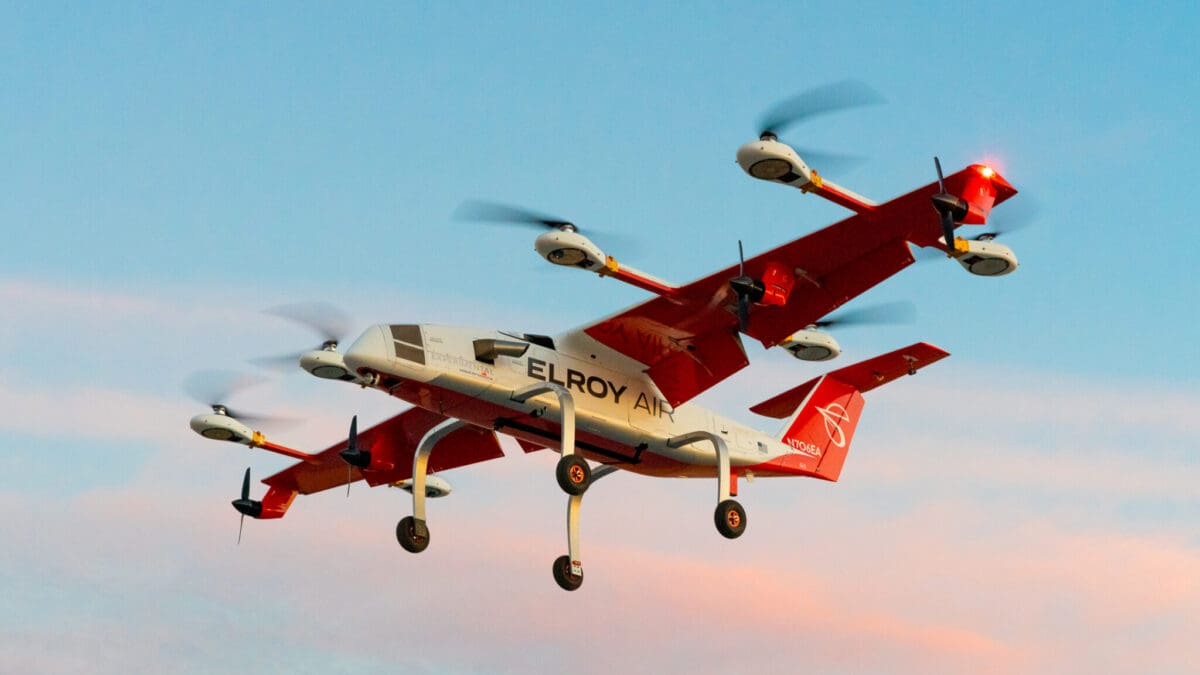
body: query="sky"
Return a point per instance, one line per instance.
(1028, 505)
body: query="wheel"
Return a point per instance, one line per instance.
(731, 519)
(573, 474)
(562, 574)
(406, 534)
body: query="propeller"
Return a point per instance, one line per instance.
(213, 387)
(245, 505)
(885, 313)
(353, 455)
(821, 100)
(326, 320)
(951, 208)
(1018, 215)
(748, 290)
(495, 212)
(481, 210)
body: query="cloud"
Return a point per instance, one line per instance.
(1000, 542)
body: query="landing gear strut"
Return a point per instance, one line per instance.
(411, 531)
(574, 475)
(730, 517)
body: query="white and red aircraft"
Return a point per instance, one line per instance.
(616, 392)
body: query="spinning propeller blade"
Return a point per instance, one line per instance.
(214, 387)
(326, 320)
(820, 100)
(495, 212)
(479, 210)
(886, 313)
(1015, 216)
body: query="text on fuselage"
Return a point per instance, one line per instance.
(596, 387)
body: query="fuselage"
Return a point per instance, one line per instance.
(621, 416)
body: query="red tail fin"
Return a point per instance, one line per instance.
(824, 425)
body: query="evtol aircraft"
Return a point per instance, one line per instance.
(616, 393)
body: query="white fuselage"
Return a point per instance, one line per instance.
(621, 416)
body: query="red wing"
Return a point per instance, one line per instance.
(689, 340)
(392, 445)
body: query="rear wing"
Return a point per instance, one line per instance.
(863, 376)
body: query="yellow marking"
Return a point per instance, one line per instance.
(960, 248)
(611, 266)
(816, 179)
(258, 440)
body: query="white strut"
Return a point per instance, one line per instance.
(421, 464)
(722, 456)
(566, 404)
(729, 517)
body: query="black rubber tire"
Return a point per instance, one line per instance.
(406, 534)
(563, 576)
(730, 518)
(573, 474)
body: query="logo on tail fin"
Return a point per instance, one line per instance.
(835, 414)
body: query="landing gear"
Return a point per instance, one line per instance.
(564, 574)
(411, 531)
(412, 534)
(730, 518)
(573, 474)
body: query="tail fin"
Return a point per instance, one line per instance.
(827, 409)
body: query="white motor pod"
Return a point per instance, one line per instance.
(812, 345)
(987, 258)
(435, 486)
(220, 427)
(569, 248)
(325, 363)
(768, 159)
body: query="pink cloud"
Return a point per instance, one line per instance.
(947, 587)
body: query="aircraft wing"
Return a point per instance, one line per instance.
(689, 339)
(392, 444)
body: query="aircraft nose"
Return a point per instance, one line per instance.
(370, 350)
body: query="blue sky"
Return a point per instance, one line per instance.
(171, 171)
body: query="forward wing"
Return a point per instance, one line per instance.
(689, 340)
(392, 445)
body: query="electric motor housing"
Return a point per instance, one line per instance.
(988, 259)
(222, 428)
(812, 345)
(768, 159)
(326, 363)
(569, 248)
(435, 486)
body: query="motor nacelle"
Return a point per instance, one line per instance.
(987, 258)
(435, 486)
(768, 159)
(567, 247)
(220, 427)
(327, 364)
(812, 345)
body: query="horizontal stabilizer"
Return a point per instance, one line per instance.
(863, 376)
